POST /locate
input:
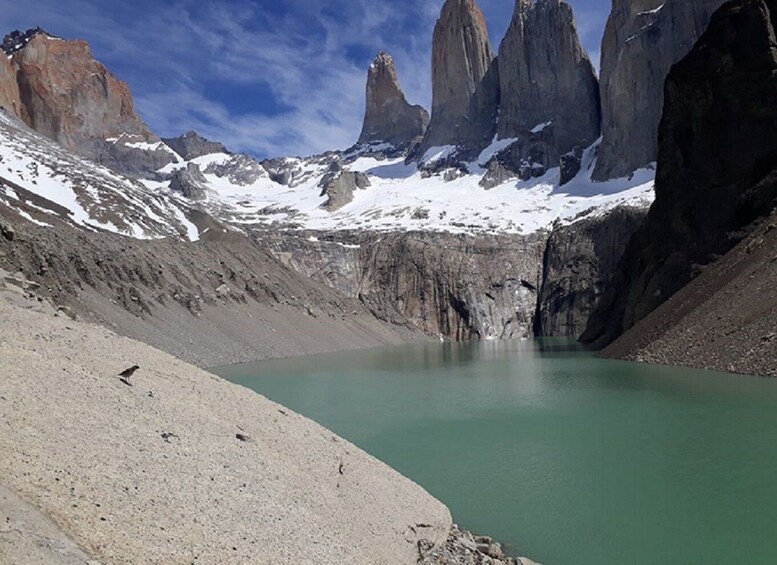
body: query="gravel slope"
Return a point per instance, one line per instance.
(725, 319)
(156, 472)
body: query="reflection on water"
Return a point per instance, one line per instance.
(572, 459)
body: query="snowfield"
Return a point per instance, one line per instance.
(44, 182)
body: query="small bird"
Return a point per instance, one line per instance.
(125, 375)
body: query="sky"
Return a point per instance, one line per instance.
(265, 77)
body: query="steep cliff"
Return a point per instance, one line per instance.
(465, 80)
(389, 118)
(642, 40)
(69, 97)
(458, 287)
(716, 163)
(9, 88)
(546, 77)
(580, 260)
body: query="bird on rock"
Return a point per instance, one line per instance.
(125, 375)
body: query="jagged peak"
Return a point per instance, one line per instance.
(18, 40)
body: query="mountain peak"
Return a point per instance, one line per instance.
(18, 40)
(389, 118)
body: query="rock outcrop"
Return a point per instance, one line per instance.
(546, 77)
(190, 182)
(580, 260)
(642, 40)
(192, 145)
(389, 118)
(340, 187)
(465, 80)
(717, 165)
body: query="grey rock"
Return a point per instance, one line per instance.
(340, 188)
(580, 261)
(241, 170)
(7, 232)
(642, 40)
(546, 77)
(190, 182)
(570, 164)
(465, 81)
(496, 175)
(192, 145)
(389, 118)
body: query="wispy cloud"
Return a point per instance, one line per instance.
(307, 58)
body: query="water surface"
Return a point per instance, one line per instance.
(569, 459)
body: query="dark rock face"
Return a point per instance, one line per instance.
(547, 78)
(465, 80)
(579, 262)
(570, 163)
(642, 40)
(389, 118)
(716, 165)
(192, 145)
(190, 182)
(340, 188)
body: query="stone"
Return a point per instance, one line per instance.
(465, 80)
(642, 40)
(496, 174)
(546, 77)
(7, 232)
(570, 164)
(190, 182)
(389, 118)
(192, 145)
(66, 311)
(340, 189)
(222, 291)
(717, 165)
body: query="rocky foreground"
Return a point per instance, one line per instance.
(180, 466)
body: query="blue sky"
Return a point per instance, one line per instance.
(267, 77)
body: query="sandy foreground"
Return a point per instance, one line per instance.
(181, 467)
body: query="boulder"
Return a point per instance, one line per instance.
(340, 189)
(570, 165)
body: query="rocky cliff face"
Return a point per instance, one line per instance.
(642, 40)
(192, 145)
(580, 260)
(546, 77)
(389, 118)
(465, 79)
(9, 88)
(716, 163)
(64, 94)
(458, 287)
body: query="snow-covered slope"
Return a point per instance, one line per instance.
(405, 197)
(47, 184)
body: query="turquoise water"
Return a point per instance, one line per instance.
(567, 458)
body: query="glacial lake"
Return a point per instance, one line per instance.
(565, 458)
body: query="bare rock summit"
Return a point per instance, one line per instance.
(389, 118)
(465, 80)
(547, 79)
